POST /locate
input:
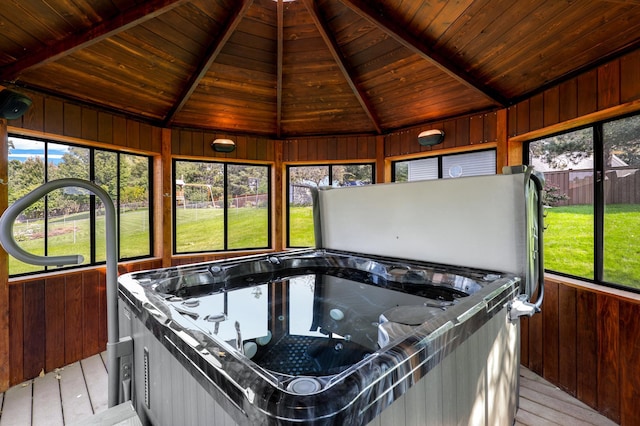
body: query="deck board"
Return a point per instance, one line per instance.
(73, 394)
(96, 378)
(16, 407)
(46, 400)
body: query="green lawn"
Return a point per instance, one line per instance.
(568, 242)
(568, 238)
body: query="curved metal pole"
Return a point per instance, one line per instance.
(6, 238)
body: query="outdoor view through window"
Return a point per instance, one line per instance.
(71, 220)
(300, 207)
(220, 206)
(593, 201)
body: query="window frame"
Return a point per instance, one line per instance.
(599, 196)
(439, 158)
(225, 164)
(330, 175)
(92, 203)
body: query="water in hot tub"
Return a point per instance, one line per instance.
(312, 324)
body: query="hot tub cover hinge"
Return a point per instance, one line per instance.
(521, 306)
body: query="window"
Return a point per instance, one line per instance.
(593, 201)
(220, 206)
(446, 166)
(71, 220)
(299, 205)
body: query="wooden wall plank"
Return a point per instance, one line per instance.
(512, 119)
(608, 357)
(119, 131)
(491, 127)
(449, 128)
(587, 93)
(34, 328)
(609, 85)
(567, 335)
(568, 92)
(524, 341)
(105, 127)
(536, 344)
(551, 106)
(133, 134)
(550, 322)
(146, 137)
(54, 317)
(536, 112)
(53, 116)
(629, 363)
(332, 149)
(522, 117)
(341, 149)
(462, 131)
(89, 124)
(252, 148)
(476, 129)
(16, 334)
(33, 119)
(72, 120)
(73, 321)
(587, 341)
(629, 81)
(90, 313)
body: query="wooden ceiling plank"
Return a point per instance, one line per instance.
(128, 19)
(398, 33)
(340, 61)
(207, 60)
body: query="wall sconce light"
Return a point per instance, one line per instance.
(223, 145)
(431, 137)
(13, 104)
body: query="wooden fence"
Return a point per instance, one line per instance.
(622, 186)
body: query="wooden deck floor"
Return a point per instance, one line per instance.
(72, 394)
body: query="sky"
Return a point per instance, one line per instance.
(26, 148)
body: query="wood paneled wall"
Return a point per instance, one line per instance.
(52, 116)
(58, 319)
(585, 341)
(341, 148)
(612, 84)
(194, 143)
(460, 132)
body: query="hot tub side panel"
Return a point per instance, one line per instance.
(474, 384)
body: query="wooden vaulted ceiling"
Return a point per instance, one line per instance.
(306, 67)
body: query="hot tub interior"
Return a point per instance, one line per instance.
(331, 308)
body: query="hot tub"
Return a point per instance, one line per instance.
(377, 325)
(314, 337)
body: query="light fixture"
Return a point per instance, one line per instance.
(13, 104)
(223, 145)
(431, 137)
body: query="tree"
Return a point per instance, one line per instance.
(621, 138)
(24, 178)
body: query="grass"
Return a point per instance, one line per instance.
(568, 240)
(301, 226)
(202, 229)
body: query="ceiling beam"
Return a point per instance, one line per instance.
(126, 20)
(396, 31)
(331, 43)
(280, 60)
(209, 58)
